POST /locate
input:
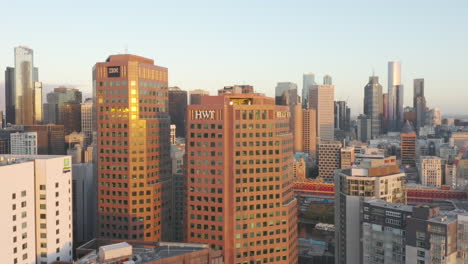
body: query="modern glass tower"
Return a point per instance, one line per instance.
(373, 105)
(394, 80)
(308, 79)
(24, 94)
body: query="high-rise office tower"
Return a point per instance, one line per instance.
(373, 105)
(383, 232)
(286, 93)
(37, 208)
(399, 113)
(364, 128)
(305, 130)
(322, 99)
(328, 159)
(327, 80)
(431, 170)
(179, 191)
(394, 80)
(408, 145)
(66, 102)
(196, 95)
(240, 175)
(23, 143)
(133, 143)
(342, 114)
(177, 109)
(22, 90)
(433, 117)
(419, 103)
(308, 79)
(9, 95)
(373, 179)
(87, 120)
(385, 113)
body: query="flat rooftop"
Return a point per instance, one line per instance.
(384, 204)
(141, 251)
(8, 159)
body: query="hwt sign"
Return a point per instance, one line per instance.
(204, 114)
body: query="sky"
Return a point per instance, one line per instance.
(212, 44)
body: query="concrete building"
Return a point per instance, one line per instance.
(240, 178)
(364, 128)
(431, 170)
(309, 123)
(84, 183)
(373, 105)
(173, 133)
(108, 251)
(39, 228)
(431, 237)
(308, 80)
(434, 117)
(23, 143)
(286, 93)
(87, 120)
(450, 174)
(408, 145)
(373, 179)
(328, 159)
(462, 171)
(347, 156)
(321, 99)
(133, 148)
(300, 166)
(383, 232)
(196, 95)
(23, 92)
(177, 109)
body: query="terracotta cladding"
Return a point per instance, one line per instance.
(133, 136)
(239, 174)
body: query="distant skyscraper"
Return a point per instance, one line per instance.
(408, 145)
(309, 119)
(364, 128)
(233, 214)
(399, 107)
(308, 79)
(67, 103)
(419, 103)
(195, 96)
(177, 109)
(342, 115)
(385, 113)
(433, 117)
(373, 105)
(327, 80)
(87, 121)
(394, 80)
(133, 143)
(22, 90)
(286, 93)
(236, 89)
(321, 98)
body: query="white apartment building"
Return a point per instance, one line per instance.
(41, 225)
(430, 170)
(24, 143)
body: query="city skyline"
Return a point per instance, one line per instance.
(245, 43)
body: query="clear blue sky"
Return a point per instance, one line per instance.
(210, 44)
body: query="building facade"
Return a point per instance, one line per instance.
(431, 170)
(322, 100)
(40, 230)
(394, 80)
(328, 159)
(87, 120)
(308, 80)
(376, 179)
(133, 143)
(408, 145)
(419, 103)
(342, 116)
(373, 105)
(240, 179)
(347, 156)
(23, 143)
(177, 109)
(196, 95)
